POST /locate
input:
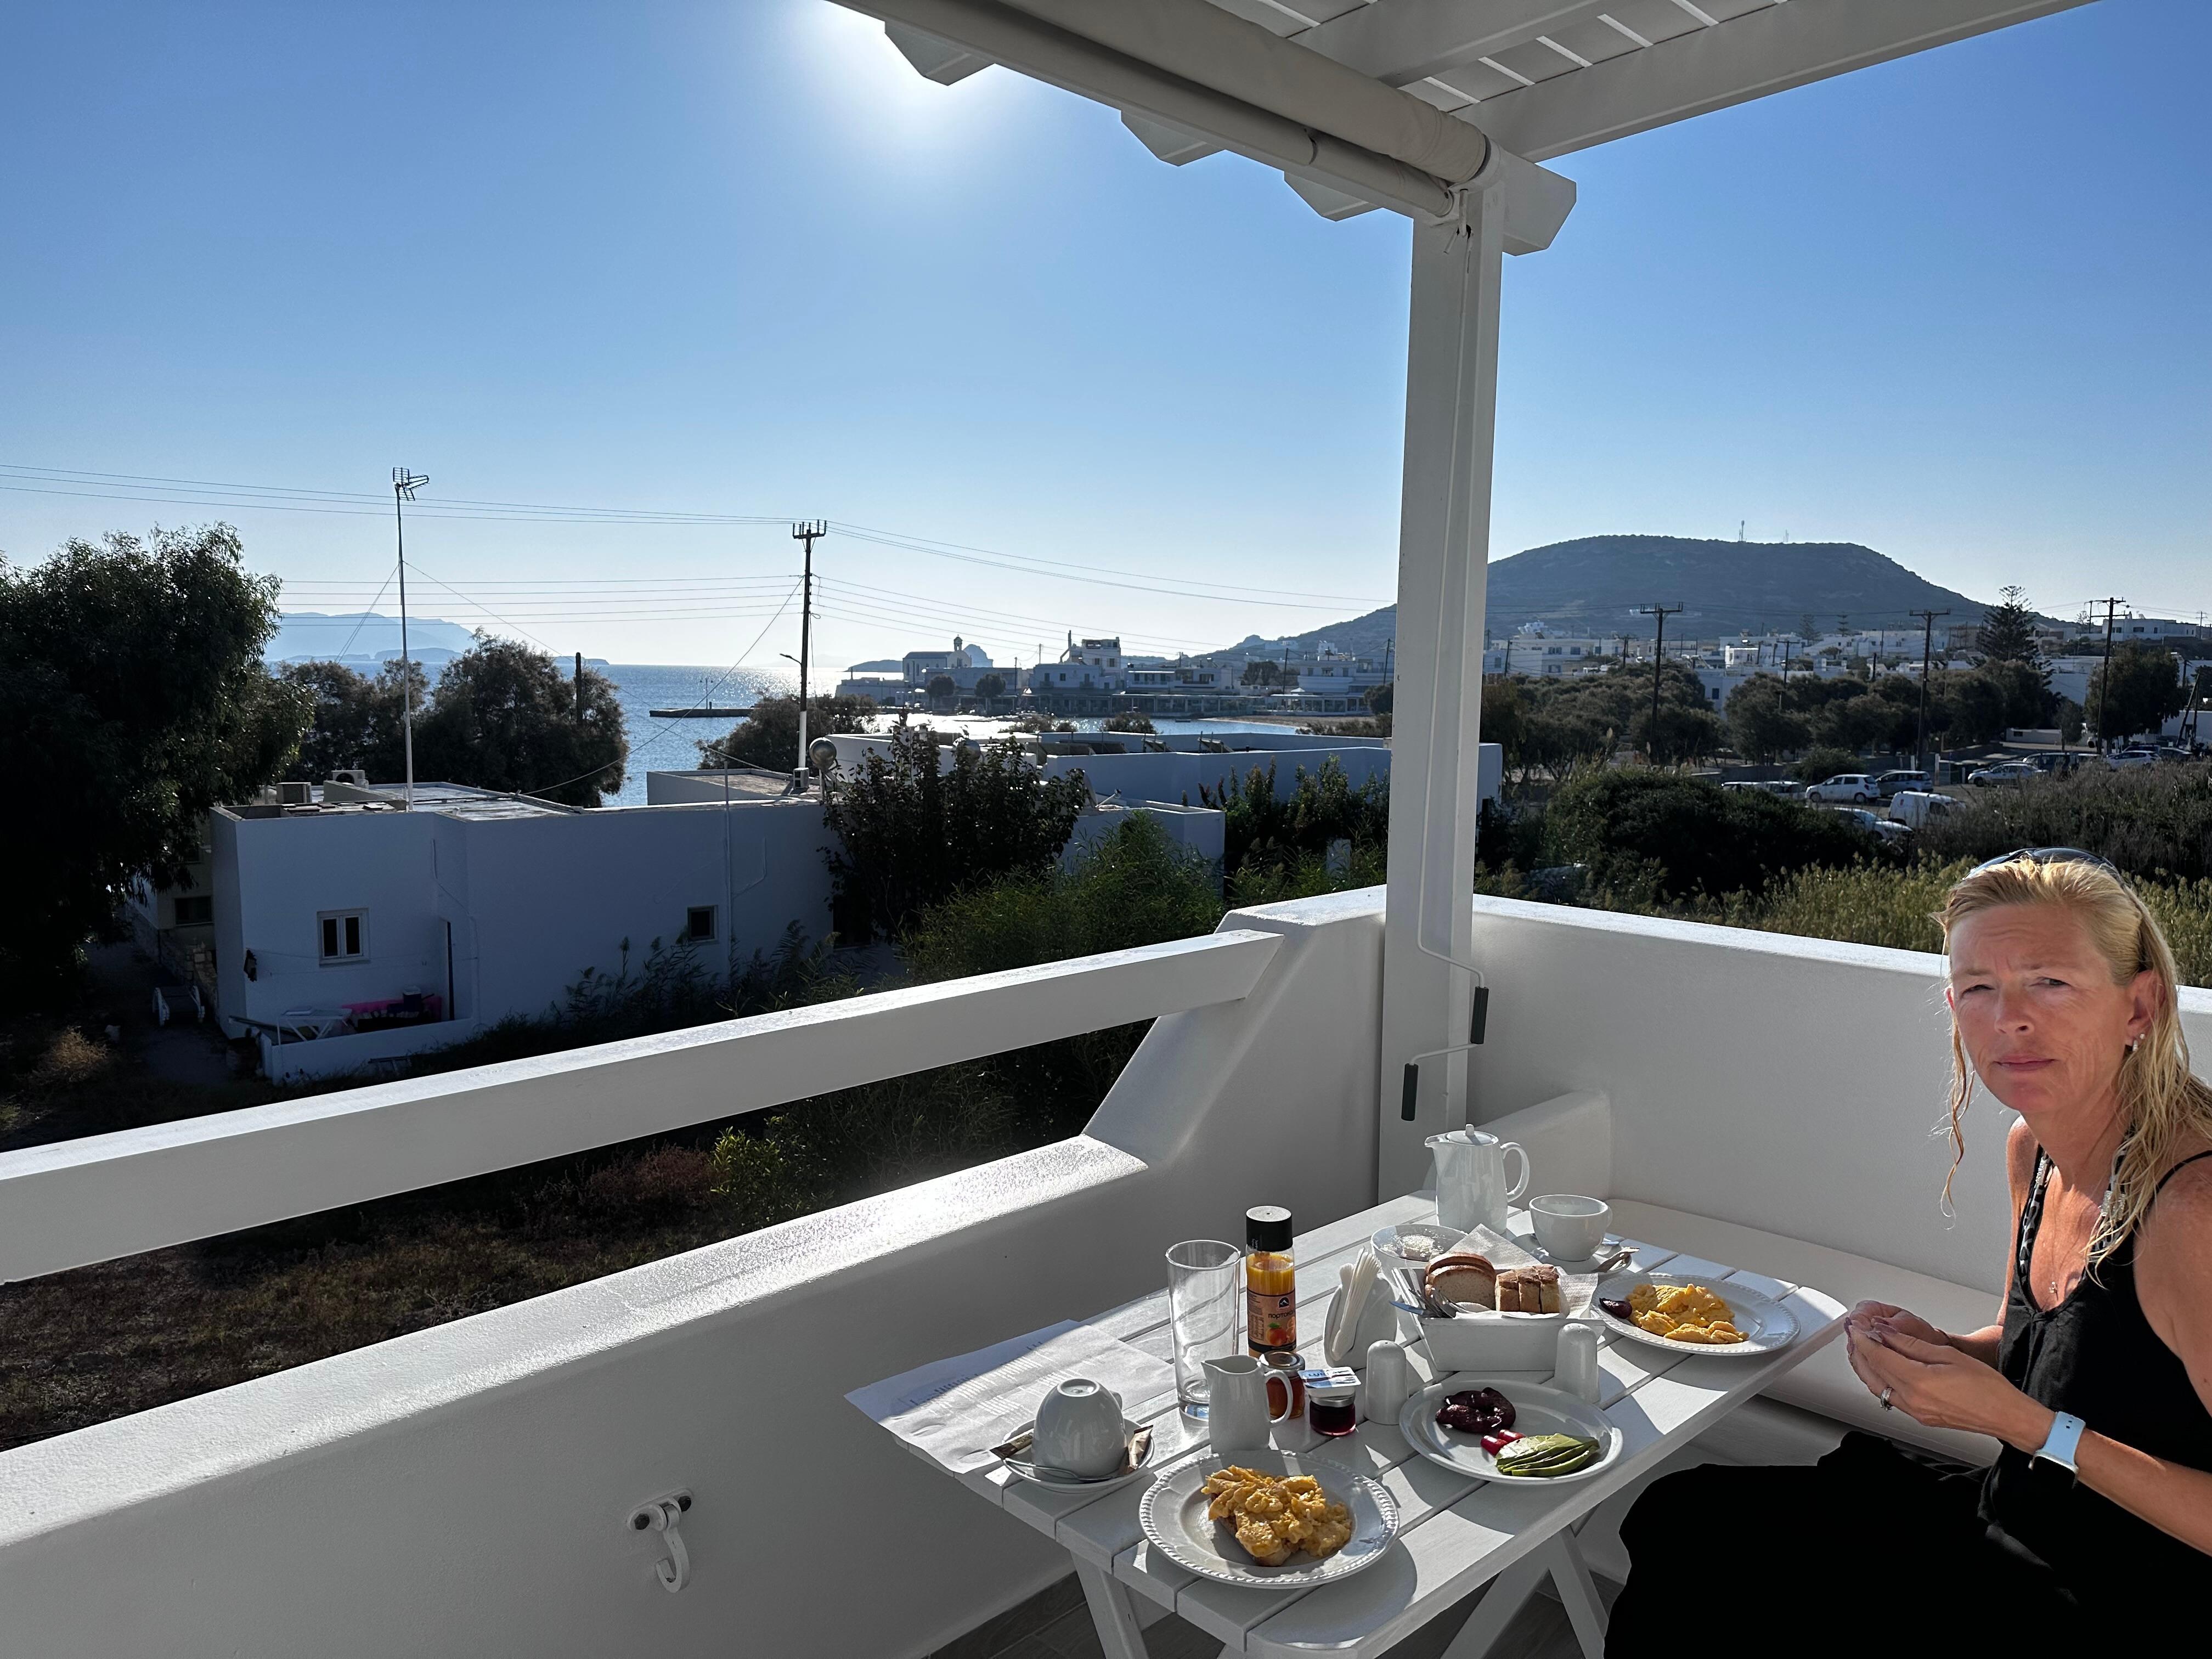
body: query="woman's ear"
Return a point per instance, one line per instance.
(2145, 996)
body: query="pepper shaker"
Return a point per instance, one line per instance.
(1389, 1382)
(1578, 1360)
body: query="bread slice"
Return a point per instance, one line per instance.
(1528, 1290)
(1465, 1278)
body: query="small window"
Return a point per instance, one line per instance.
(699, 922)
(344, 935)
(195, 911)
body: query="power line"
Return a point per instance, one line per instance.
(205, 493)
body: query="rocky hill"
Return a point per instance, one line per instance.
(1596, 584)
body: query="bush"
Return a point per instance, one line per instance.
(1676, 837)
(1136, 723)
(1818, 765)
(2149, 822)
(1265, 831)
(911, 832)
(1136, 887)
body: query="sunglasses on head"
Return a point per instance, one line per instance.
(2045, 855)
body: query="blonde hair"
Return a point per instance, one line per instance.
(2162, 1101)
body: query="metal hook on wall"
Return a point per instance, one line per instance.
(663, 1515)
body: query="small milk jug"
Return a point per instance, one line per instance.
(1470, 1178)
(1237, 1414)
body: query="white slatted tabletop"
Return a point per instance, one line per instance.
(1455, 1534)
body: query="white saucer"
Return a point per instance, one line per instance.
(1061, 1481)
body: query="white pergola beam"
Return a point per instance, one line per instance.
(1733, 63)
(1400, 41)
(1304, 147)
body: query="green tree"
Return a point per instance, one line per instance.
(1381, 698)
(943, 689)
(1132, 723)
(769, 738)
(2026, 687)
(134, 700)
(912, 831)
(2136, 691)
(991, 688)
(505, 716)
(355, 719)
(1262, 674)
(1505, 718)
(1968, 705)
(1681, 837)
(1818, 765)
(1762, 725)
(2008, 631)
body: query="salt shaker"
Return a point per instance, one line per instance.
(1578, 1360)
(1389, 1382)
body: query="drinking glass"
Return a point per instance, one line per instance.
(1202, 1302)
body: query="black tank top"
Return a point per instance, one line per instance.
(2094, 1355)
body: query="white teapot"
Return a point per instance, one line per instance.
(1470, 1178)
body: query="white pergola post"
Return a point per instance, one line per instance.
(1443, 542)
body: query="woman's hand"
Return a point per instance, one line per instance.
(1935, 1384)
(1882, 1316)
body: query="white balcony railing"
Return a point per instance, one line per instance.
(463, 1489)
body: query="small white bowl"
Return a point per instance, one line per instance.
(1387, 1243)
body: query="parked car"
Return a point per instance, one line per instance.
(2005, 772)
(2169, 751)
(1913, 808)
(1873, 822)
(2126, 760)
(2064, 761)
(1890, 782)
(1857, 788)
(1768, 787)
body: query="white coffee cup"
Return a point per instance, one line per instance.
(1569, 1227)
(1079, 1429)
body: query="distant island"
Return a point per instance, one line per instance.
(1595, 585)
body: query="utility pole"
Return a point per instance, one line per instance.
(1658, 656)
(805, 531)
(404, 486)
(1927, 650)
(2104, 674)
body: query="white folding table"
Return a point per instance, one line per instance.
(1456, 1534)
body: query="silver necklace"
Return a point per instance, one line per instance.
(2103, 1198)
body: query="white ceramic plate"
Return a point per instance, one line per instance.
(1173, 1515)
(1537, 1410)
(1061, 1481)
(1766, 1325)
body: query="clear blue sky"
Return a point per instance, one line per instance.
(739, 258)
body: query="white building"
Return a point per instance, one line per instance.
(350, 932)
(1094, 665)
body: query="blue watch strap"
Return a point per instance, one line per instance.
(2062, 1445)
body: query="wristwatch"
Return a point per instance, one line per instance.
(2060, 1444)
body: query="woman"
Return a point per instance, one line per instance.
(2096, 1518)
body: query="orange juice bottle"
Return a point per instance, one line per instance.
(1271, 1290)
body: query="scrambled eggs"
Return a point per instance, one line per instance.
(1274, 1516)
(1683, 1313)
